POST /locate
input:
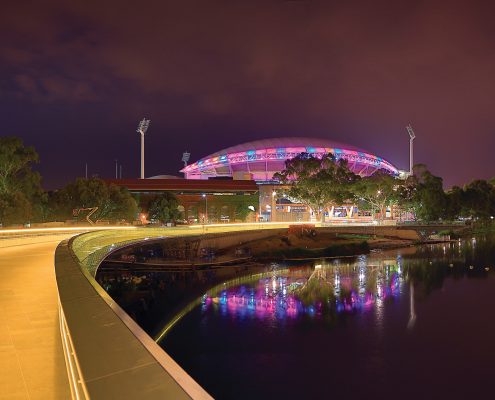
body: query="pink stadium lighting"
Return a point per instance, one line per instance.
(259, 160)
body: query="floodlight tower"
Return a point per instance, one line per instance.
(142, 128)
(185, 157)
(411, 145)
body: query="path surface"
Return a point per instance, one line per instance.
(32, 364)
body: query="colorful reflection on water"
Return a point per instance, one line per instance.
(415, 323)
(317, 291)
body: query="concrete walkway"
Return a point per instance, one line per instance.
(32, 364)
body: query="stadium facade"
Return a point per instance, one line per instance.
(260, 159)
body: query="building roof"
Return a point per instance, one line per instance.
(186, 185)
(274, 143)
(260, 159)
(164, 177)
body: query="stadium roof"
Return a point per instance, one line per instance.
(274, 143)
(260, 159)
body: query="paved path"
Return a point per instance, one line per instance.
(32, 364)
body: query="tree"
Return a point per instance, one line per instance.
(318, 182)
(14, 208)
(479, 199)
(113, 202)
(377, 191)
(423, 194)
(164, 208)
(15, 167)
(455, 206)
(242, 208)
(20, 187)
(235, 206)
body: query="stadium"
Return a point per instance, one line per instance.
(216, 187)
(259, 160)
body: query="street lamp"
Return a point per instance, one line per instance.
(273, 206)
(206, 207)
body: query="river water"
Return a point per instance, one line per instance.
(410, 323)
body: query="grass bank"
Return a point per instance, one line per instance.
(334, 250)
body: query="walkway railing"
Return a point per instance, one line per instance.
(108, 355)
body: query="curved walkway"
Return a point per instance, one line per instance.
(32, 364)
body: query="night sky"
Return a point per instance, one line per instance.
(75, 79)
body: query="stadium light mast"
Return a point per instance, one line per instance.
(185, 158)
(411, 145)
(142, 128)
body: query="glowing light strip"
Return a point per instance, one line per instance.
(287, 153)
(68, 229)
(258, 225)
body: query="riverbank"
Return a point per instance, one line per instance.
(211, 251)
(320, 245)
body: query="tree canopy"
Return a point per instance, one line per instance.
(20, 186)
(422, 193)
(478, 199)
(164, 208)
(318, 182)
(113, 202)
(377, 192)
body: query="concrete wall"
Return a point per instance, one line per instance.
(386, 231)
(224, 240)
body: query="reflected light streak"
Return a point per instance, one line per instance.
(63, 230)
(284, 297)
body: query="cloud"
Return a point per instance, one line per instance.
(52, 89)
(218, 104)
(27, 85)
(357, 71)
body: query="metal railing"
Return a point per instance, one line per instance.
(77, 386)
(85, 324)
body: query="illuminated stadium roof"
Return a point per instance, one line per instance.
(260, 159)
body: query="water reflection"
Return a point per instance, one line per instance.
(335, 287)
(322, 290)
(412, 312)
(323, 326)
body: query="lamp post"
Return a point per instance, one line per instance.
(142, 128)
(273, 206)
(206, 207)
(412, 135)
(380, 210)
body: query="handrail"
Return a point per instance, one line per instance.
(76, 383)
(108, 355)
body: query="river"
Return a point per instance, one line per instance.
(410, 323)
